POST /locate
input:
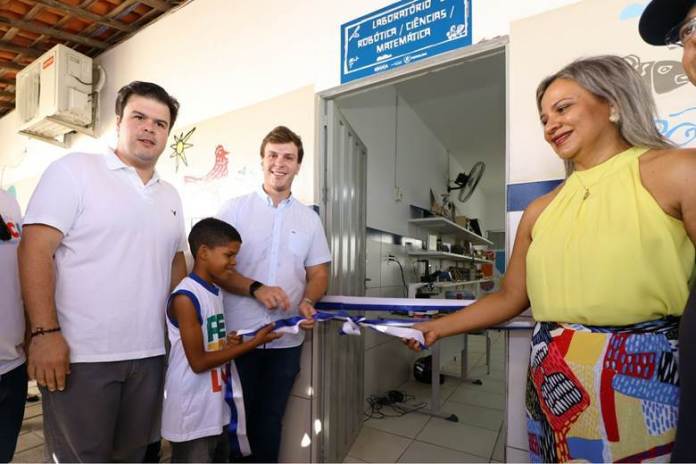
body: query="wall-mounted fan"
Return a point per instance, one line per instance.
(466, 183)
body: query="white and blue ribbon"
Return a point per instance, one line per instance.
(396, 328)
(395, 305)
(414, 308)
(236, 430)
(402, 328)
(336, 308)
(290, 325)
(399, 329)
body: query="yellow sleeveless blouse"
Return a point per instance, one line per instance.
(611, 258)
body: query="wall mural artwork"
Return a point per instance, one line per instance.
(678, 127)
(218, 171)
(179, 147)
(632, 11)
(213, 160)
(662, 77)
(199, 167)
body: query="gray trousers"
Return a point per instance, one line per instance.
(206, 449)
(109, 411)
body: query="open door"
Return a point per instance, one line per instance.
(341, 370)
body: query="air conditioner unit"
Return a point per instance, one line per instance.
(54, 94)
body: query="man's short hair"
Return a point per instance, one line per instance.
(282, 134)
(211, 232)
(149, 90)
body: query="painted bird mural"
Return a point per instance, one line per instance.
(218, 171)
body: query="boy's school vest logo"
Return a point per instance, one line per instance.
(215, 328)
(218, 377)
(216, 336)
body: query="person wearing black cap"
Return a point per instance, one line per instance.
(673, 22)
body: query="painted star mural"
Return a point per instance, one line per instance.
(179, 148)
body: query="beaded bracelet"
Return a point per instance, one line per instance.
(42, 331)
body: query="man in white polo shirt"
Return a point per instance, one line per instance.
(283, 269)
(13, 370)
(102, 246)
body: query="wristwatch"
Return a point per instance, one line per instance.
(255, 285)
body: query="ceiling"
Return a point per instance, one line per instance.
(28, 28)
(464, 106)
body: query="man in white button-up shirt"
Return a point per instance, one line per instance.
(102, 246)
(283, 269)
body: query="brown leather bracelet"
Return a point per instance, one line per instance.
(42, 331)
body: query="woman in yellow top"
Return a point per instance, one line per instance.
(604, 261)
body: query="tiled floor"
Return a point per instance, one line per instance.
(479, 436)
(30, 444)
(414, 437)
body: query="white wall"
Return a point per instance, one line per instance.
(495, 211)
(415, 161)
(419, 164)
(219, 55)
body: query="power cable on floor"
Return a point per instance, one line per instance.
(393, 404)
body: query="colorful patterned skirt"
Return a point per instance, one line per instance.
(603, 394)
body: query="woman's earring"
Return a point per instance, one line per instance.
(614, 116)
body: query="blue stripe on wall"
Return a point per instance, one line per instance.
(521, 195)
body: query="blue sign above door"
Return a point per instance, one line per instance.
(402, 33)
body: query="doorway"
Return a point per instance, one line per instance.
(420, 127)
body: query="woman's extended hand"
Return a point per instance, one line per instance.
(429, 334)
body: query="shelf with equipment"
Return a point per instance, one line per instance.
(463, 269)
(413, 287)
(423, 254)
(459, 283)
(445, 227)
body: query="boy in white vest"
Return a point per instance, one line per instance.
(202, 392)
